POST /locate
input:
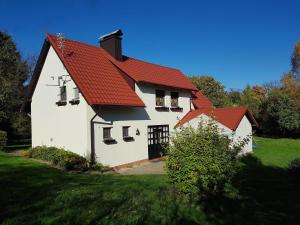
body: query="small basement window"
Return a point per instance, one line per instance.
(174, 99)
(107, 136)
(126, 131)
(126, 136)
(107, 133)
(160, 98)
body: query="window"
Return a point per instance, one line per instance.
(126, 131)
(107, 133)
(160, 98)
(63, 93)
(174, 99)
(76, 93)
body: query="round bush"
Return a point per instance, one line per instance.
(200, 161)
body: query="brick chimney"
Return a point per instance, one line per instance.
(112, 43)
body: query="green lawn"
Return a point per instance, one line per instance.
(34, 193)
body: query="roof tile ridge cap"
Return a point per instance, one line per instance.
(155, 64)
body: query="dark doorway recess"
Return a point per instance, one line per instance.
(158, 136)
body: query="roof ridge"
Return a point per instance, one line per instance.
(78, 42)
(172, 68)
(98, 47)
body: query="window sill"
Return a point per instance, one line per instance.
(109, 141)
(61, 103)
(176, 109)
(162, 108)
(74, 101)
(128, 138)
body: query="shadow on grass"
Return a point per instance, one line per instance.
(33, 193)
(267, 195)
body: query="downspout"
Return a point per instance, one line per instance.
(93, 158)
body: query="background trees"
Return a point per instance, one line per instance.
(276, 104)
(13, 72)
(212, 89)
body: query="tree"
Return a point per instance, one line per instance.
(279, 115)
(13, 73)
(290, 85)
(235, 97)
(296, 58)
(212, 89)
(252, 98)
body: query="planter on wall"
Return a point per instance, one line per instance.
(61, 103)
(74, 101)
(176, 109)
(162, 108)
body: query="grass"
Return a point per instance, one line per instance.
(34, 193)
(277, 152)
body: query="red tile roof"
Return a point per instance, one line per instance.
(141, 71)
(229, 117)
(201, 101)
(97, 78)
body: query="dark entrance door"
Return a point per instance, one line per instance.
(158, 136)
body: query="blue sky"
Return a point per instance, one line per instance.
(237, 42)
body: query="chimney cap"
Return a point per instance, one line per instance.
(114, 33)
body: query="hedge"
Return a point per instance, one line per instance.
(3, 139)
(62, 158)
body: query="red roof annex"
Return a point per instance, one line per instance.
(229, 117)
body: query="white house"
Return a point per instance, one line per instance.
(114, 109)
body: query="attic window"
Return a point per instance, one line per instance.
(63, 93)
(160, 98)
(62, 96)
(75, 100)
(76, 93)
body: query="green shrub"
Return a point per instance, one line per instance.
(294, 166)
(60, 157)
(3, 139)
(201, 161)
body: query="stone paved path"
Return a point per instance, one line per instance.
(153, 167)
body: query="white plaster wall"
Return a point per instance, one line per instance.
(121, 152)
(147, 94)
(52, 125)
(243, 130)
(137, 118)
